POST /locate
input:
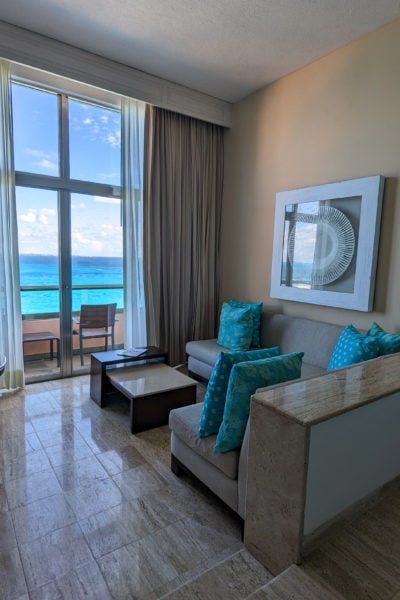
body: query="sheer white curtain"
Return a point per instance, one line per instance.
(10, 303)
(133, 113)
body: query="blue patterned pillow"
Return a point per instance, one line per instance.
(256, 309)
(215, 396)
(244, 380)
(352, 347)
(235, 327)
(388, 342)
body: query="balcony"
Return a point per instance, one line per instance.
(37, 359)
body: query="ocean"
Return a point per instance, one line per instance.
(42, 270)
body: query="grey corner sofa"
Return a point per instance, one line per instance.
(226, 474)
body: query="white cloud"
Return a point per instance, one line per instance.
(33, 152)
(104, 200)
(29, 217)
(48, 211)
(88, 121)
(47, 164)
(43, 219)
(47, 160)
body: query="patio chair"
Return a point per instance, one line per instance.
(95, 321)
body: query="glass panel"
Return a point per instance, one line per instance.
(39, 279)
(319, 245)
(35, 130)
(95, 143)
(96, 245)
(38, 250)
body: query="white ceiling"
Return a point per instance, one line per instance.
(225, 48)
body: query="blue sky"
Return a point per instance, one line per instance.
(95, 141)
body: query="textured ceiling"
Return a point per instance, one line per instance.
(225, 48)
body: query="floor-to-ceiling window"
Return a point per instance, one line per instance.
(67, 162)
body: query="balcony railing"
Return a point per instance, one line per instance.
(46, 306)
(47, 318)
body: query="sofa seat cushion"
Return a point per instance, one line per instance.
(184, 422)
(206, 351)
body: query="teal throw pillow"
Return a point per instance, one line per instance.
(389, 343)
(352, 347)
(256, 309)
(235, 327)
(215, 396)
(244, 380)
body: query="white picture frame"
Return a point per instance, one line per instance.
(326, 240)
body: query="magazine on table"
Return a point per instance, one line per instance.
(133, 352)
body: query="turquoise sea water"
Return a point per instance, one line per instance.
(42, 270)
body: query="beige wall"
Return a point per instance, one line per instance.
(336, 119)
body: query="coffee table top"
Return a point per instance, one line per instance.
(148, 379)
(111, 357)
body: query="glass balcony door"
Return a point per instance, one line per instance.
(67, 161)
(97, 265)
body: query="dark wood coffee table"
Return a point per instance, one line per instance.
(102, 362)
(153, 390)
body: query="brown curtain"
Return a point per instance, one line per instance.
(183, 180)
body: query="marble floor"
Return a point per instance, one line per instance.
(88, 510)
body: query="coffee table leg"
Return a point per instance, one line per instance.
(97, 381)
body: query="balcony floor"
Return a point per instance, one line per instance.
(43, 368)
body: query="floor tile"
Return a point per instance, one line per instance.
(40, 404)
(233, 579)
(111, 529)
(123, 574)
(54, 555)
(33, 487)
(84, 583)
(41, 517)
(80, 473)
(14, 447)
(58, 434)
(68, 451)
(12, 579)
(97, 496)
(3, 498)
(117, 461)
(138, 481)
(7, 534)
(26, 465)
(51, 421)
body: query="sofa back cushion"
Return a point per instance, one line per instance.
(214, 399)
(244, 380)
(352, 347)
(256, 308)
(295, 334)
(235, 327)
(388, 342)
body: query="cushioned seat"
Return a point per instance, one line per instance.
(205, 350)
(185, 423)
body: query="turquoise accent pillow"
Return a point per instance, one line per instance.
(235, 327)
(389, 343)
(352, 347)
(215, 396)
(244, 380)
(256, 309)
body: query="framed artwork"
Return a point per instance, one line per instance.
(326, 241)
